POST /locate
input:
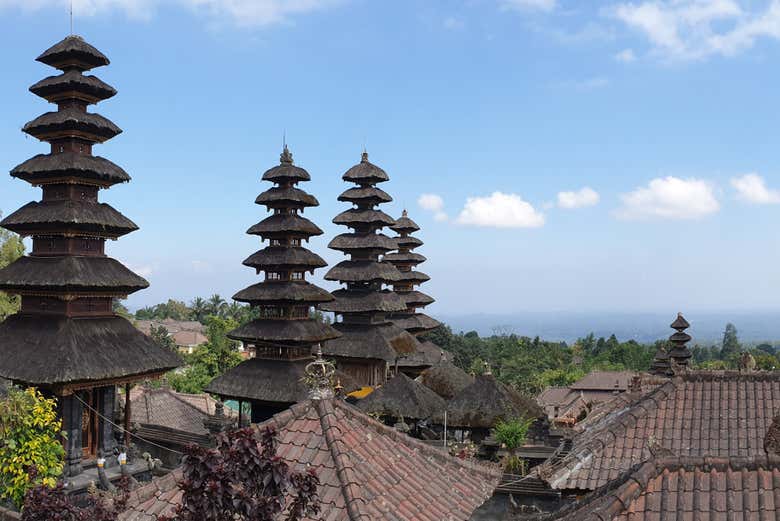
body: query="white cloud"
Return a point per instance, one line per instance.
(626, 56)
(453, 24)
(143, 271)
(500, 210)
(525, 5)
(579, 199)
(669, 198)
(696, 29)
(752, 188)
(243, 13)
(433, 203)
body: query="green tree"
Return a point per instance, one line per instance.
(730, 348)
(512, 435)
(199, 309)
(29, 440)
(162, 337)
(11, 248)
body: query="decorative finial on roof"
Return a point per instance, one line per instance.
(404, 213)
(319, 377)
(488, 371)
(364, 157)
(286, 156)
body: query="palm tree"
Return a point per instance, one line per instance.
(216, 305)
(200, 309)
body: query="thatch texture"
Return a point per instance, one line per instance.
(427, 355)
(306, 331)
(485, 402)
(276, 381)
(417, 277)
(416, 322)
(77, 274)
(285, 257)
(405, 225)
(43, 350)
(402, 396)
(352, 242)
(378, 341)
(357, 216)
(363, 271)
(365, 194)
(365, 172)
(283, 292)
(56, 167)
(408, 242)
(446, 379)
(89, 88)
(74, 52)
(416, 298)
(285, 225)
(354, 301)
(69, 216)
(404, 258)
(72, 120)
(286, 172)
(289, 197)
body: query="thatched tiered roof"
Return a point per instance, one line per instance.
(403, 397)
(67, 333)
(446, 379)
(362, 303)
(485, 402)
(284, 334)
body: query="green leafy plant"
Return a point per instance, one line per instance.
(511, 435)
(31, 451)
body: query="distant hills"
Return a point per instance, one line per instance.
(706, 327)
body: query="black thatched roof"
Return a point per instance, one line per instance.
(404, 224)
(355, 216)
(286, 171)
(287, 197)
(355, 301)
(365, 172)
(73, 52)
(402, 396)
(416, 298)
(365, 194)
(417, 277)
(89, 88)
(68, 215)
(348, 242)
(408, 242)
(283, 257)
(77, 274)
(680, 323)
(404, 258)
(416, 322)
(71, 120)
(275, 381)
(292, 292)
(428, 354)
(55, 167)
(485, 402)
(307, 331)
(44, 350)
(378, 341)
(446, 379)
(287, 225)
(363, 271)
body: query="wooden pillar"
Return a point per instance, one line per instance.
(106, 441)
(71, 411)
(128, 414)
(240, 414)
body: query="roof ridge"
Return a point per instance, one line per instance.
(350, 486)
(356, 414)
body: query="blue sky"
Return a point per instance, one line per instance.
(559, 155)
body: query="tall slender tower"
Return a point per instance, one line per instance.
(67, 339)
(371, 343)
(284, 334)
(406, 261)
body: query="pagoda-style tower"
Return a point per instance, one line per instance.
(679, 352)
(371, 343)
(406, 261)
(66, 339)
(285, 333)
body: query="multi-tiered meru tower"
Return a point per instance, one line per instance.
(371, 344)
(285, 333)
(66, 339)
(406, 261)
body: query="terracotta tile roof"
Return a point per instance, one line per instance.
(553, 396)
(604, 381)
(158, 497)
(722, 414)
(687, 488)
(367, 470)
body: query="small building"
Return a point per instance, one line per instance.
(567, 405)
(187, 335)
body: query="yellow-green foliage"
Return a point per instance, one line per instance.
(29, 439)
